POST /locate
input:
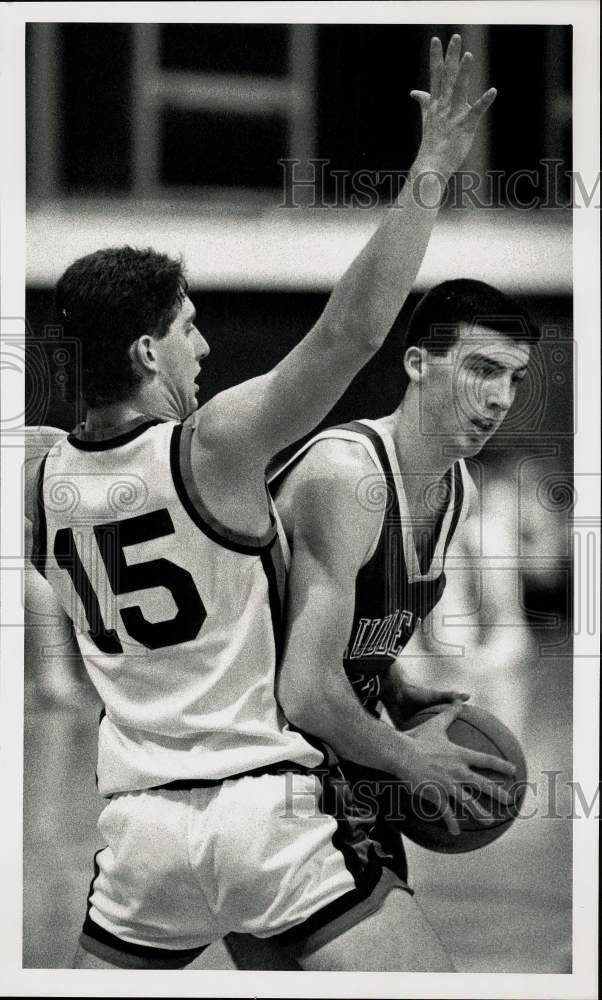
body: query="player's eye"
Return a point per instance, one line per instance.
(483, 368)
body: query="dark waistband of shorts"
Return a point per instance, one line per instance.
(280, 767)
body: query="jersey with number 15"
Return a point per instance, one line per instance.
(177, 619)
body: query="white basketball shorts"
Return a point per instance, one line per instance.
(273, 854)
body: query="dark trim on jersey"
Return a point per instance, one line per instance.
(458, 505)
(113, 442)
(40, 528)
(357, 427)
(196, 510)
(276, 598)
(453, 479)
(103, 712)
(100, 942)
(433, 539)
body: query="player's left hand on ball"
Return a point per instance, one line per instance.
(449, 119)
(413, 698)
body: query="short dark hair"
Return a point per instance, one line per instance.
(436, 320)
(107, 300)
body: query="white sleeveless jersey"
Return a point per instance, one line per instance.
(176, 618)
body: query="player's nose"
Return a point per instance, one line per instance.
(501, 395)
(203, 349)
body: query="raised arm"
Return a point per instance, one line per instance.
(262, 416)
(330, 537)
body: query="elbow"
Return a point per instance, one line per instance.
(360, 334)
(296, 708)
(307, 710)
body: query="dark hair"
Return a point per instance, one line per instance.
(436, 320)
(109, 299)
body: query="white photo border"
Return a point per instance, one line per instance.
(581, 984)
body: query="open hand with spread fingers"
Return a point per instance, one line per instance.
(449, 120)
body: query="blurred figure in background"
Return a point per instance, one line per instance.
(508, 587)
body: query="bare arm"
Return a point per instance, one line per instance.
(262, 416)
(38, 442)
(52, 658)
(330, 537)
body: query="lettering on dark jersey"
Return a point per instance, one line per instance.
(382, 636)
(366, 686)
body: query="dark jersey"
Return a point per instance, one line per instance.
(392, 595)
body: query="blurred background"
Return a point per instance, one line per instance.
(266, 155)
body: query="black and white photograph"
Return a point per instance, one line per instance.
(300, 351)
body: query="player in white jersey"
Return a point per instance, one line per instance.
(153, 526)
(369, 510)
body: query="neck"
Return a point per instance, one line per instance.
(423, 454)
(147, 402)
(103, 418)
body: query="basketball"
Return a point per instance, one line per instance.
(478, 730)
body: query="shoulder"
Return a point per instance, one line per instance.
(38, 442)
(336, 458)
(330, 470)
(321, 500)
(41, 438)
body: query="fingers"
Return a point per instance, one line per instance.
(479, 108)
(441, 719)
(422, 97)
(436, 66)
(446, 810)
(489, 762)
(445, 696)
(450, 67)
(495, 791)
(460, 93)
(430, 697)
(447, 815)
(466, 803)
(444, 719)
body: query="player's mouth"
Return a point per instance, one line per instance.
(485, 426)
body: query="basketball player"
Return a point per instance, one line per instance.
(153, 526)
(369, 510)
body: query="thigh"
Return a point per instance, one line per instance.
(396, 938)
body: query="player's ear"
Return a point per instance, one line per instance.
(143, 354)
(414, 362)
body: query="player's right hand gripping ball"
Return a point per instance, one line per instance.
(479, 730)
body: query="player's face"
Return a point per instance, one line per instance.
(179, 355)
(470, 390)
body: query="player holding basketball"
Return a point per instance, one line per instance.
(369, 510)
(155, 532)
